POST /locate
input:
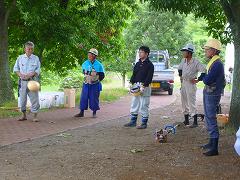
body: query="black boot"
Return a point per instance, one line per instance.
(208, 145)
(186, 121)
(133, 121)
(94, 115)
(195, 123)
(214, 148)
(144, 123)
(81, 114)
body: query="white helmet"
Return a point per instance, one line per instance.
(135, 90)
(93, 51)
(189, 47)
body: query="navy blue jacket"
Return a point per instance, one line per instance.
(143, 72)
(215, 78)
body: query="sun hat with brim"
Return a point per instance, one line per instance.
(213, 43)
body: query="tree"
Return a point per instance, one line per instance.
(120, 64)
(75, 27)
(163, 30)
(63, 31)
(217, 13)
(6, 91)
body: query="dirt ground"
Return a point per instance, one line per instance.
(103, 151)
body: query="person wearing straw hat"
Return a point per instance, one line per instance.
(214, 81)
(27, 67)
(93, 71)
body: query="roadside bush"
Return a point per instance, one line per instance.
(73, 80)
(49, 77)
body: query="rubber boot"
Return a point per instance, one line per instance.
(81, 114)
(144, 123)
(208, 145)
(94, 115)
(214, 148)
(186, 121)
(195, 122)
(133, 121)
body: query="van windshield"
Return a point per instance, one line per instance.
(155, 57)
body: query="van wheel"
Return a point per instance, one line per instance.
(170, 91)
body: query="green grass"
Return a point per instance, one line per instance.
(50, 88)
(106, 95)
(228, 88)
(113, 94)
(9, 109)
(7, 113)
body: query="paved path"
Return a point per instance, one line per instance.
(56, 121)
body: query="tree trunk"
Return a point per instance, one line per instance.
(123, 79)
(232, 12)
(234, 20)
(235, 100)
(6, 91)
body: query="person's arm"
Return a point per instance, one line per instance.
(132, 79)
(37, 71)
(201, 68)
(180, 67)
(180, 72)
(200, 78)
(149, 77)
(16, 69)
(212, 75)
(101, 76)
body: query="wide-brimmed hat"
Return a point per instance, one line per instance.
(213, 43)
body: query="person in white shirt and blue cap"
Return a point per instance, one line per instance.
(188, 71)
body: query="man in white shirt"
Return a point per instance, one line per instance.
(188, 72)
(27, 67)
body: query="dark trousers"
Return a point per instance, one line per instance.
(210, 103)
(90, 96)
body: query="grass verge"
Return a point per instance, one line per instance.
(107, 95)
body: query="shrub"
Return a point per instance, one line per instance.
(73, 80)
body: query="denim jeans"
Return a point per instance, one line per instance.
(210, 102)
